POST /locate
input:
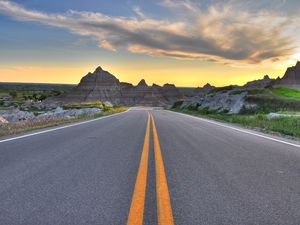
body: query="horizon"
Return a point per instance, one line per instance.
(135, 84)
(176, 42)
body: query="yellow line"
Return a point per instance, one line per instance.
(136, 212)
(164, 208)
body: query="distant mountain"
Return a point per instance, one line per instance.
(291, 77)
(103, 86)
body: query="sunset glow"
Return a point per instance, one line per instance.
(182, 42)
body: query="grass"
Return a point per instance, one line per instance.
(285, 101)
(96, 104)
(24, 126)
(36, 92)
(187, 91)
(290, 113)
(221, 89)
(286, 92)
(284, 125)
(268, 102)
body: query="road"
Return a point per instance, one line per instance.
(149, 167)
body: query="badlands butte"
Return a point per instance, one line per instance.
(103, 86)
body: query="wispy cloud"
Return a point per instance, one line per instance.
(222, 32)
(139, 12)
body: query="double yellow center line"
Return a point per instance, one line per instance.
(164, 208)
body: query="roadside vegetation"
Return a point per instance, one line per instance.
(286, 92)
(278, 110)
(30, 92)
(30, 98)
(29, 125)
(275, 99)
(286, 125)
(96, 104)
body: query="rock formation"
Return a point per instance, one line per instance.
(291, 77)
(221, 101)
(103, 86)
(99, 84)
(2, 120)
(262, 83)
(203, 90)
(16, 115)
(60, 113)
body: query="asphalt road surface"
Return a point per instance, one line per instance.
(152, 167)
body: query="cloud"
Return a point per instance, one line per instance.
(223, 32)
(139, 12)
(181, 5)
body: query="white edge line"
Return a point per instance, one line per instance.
(59, 128)
(240, 130)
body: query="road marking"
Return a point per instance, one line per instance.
(164, 208)
(240, 130)
(136, 212)
(59, 128)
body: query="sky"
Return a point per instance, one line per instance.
(188, 42)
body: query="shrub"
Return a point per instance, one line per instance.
(236, 92)
(177, 104)
(13, 94)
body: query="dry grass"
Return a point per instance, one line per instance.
(29, 125)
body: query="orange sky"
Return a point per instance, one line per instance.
(180, 75)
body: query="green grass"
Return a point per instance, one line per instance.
(290, 113)
(24, 126)
(187, 91)
(221, 89)
(269, 102)
(282, 100)
(286, 92)
(284, 125)
(96, 104)
(236, 92)
(36, 92)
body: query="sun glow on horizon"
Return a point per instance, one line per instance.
(184, 76)
(295, 58)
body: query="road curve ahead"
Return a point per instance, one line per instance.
(149, 166)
